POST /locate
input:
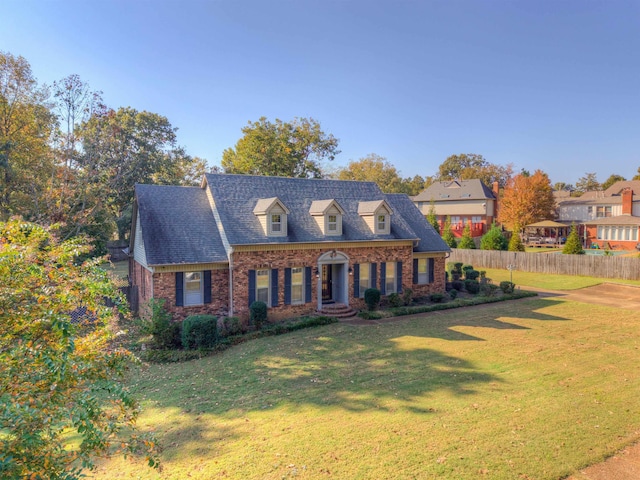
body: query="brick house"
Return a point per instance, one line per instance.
(299, 245)
(464, 202)
(608, 219)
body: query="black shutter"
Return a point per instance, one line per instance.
(287, 286)
(383, 278)
(399, 277)
(207, 286)
(356, 280)
(307, 284)
(179, 289)
(431, 269)
(274, 287)
(374, 275)
(415, 271)
(252, 286)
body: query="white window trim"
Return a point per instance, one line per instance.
(386, 229)
(283, 225)
(338, 224)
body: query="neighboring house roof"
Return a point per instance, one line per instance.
(610, 196)
(178, 225)
(619, 220)
(616, 188)
(235, 197)
(547, 224)
(455, 190)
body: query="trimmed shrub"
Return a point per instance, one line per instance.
(457, 285)
(258, 314)
(230, 326)
(515, 242)
(465, 268)
(407, 296)
(472, 286)
(488, 289)
(165, 332)
(372, 298)
(471, 274)
(573, 245)
(507, 286)
(199, 331)
(466, 241)
(493, 239)
(436, 297)
(453, 294)
(370, 315)
(394, 300)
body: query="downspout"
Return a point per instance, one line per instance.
(231, 281)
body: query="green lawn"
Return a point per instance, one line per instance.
(552, 282)
(528, 389)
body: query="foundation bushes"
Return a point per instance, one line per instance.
(199, 332)
(258, 314)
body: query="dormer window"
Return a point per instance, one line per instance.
(328, 216)
(272, 214)
(377, 216)
(381, 226)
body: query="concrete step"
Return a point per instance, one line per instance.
(337, 310)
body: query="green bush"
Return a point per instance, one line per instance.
(515, 242)
(466, 241)
(465, 268)
(472, 286)
(471, 274)
(407, 296)
(457, 285)
(258, 314)
(488, 289)
(453, 294)
(507, 287)
(199, 331)
(231, 326)
(493, 239)
(394, 300)
(372, 298)
(369, 315)
(165, 332)
(436, 297)
(573, 245)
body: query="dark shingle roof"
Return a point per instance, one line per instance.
(178, 225)
(235, 197)
(455, 190)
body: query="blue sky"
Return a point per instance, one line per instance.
(550, 85)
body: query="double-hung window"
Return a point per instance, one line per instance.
(381, 223)
(297, 285)
(603, 211)
(365, 278)
(332, 223)
(423, 272)
(276, 223)
(193, 288)
(390, 280)
(262, 286)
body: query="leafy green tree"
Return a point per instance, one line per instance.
(466, 242)
(467, 166)
(433, 218)
(559, 186)
(611, 180)
(283, 149)
(447, 234)
(637, 176)
(373, 168)
(493, 239)
(413, 186)
(26, 124)
(515, 242)
(125, 147)
(588, 183)
(59, 378)
(573, 244)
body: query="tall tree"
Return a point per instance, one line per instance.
(493, 239)
(26, 124)
(59, 378)
(588, 183)
(526, 199)
(515, 242)
(284, 149)
(447, 234)
(573, 245)
(559, 186)
(124, 147)
(373, 168)
(637, 177)
(433, 218)
(611, 180)
(466, 241)
(414, 185)
(467, 166)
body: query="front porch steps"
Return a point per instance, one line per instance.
(337, 310)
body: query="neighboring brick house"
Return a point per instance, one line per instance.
(296, 244)
(464, 202)
(608, 218)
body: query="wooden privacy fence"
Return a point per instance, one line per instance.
(626, 268)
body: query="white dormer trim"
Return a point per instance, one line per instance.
(328, 216)
(377, 216)
(272, 214)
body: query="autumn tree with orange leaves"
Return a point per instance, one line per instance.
(527, 199)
